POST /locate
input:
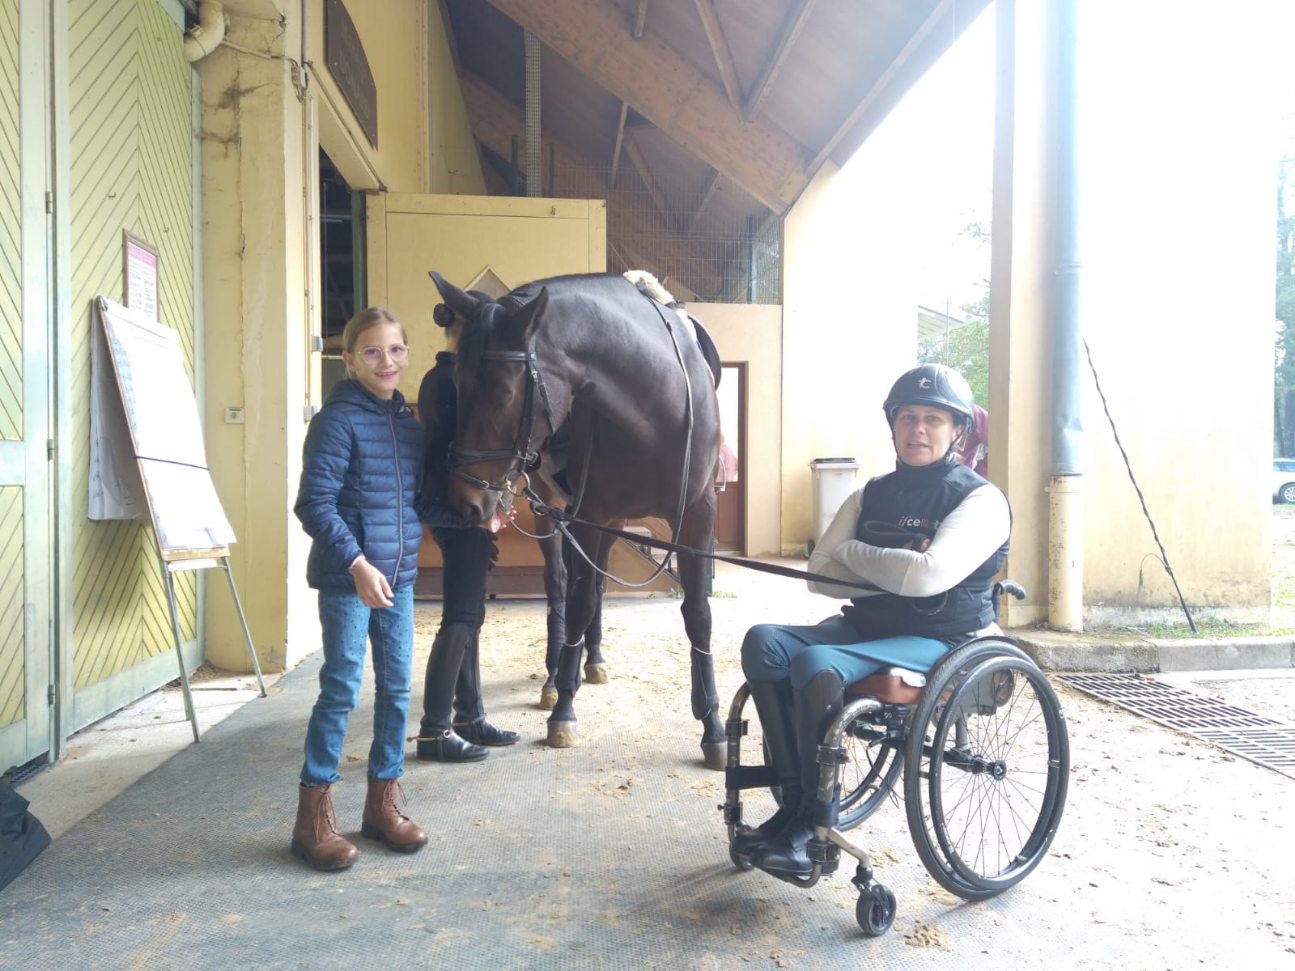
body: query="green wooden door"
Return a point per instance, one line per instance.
(25, 534)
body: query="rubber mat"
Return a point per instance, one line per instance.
(610, 855)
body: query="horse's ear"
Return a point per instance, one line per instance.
(530, 313)
(463, 304)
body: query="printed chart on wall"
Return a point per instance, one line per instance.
(165, 433)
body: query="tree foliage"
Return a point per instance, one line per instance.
(1284, 376)
(965, 349)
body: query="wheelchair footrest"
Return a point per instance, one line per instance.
(749, 777)
(827, 855)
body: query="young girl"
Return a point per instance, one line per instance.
(356, 500)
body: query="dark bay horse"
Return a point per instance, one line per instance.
(627, 378)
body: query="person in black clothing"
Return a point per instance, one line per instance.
(453, 678)
(929, 536)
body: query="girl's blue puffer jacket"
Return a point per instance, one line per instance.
(358, 480)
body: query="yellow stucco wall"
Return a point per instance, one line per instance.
(849, 316)
(255, 254)
(1180, 333)
(424, 143)
(751, 334)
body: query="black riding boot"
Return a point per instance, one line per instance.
(816, 705)
(437, 741)
(470, 721)
(773, 704)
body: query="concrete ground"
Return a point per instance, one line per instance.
(1172, 854)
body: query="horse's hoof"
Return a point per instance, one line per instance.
(596, 673)
(548, 698)
(563, 734)
(715, 754)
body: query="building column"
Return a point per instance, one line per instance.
(256, 246)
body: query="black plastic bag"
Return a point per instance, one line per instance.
(22, 837)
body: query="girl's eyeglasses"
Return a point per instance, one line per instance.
(374, 355)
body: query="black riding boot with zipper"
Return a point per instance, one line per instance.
(816, 704)
(437, 740)
(773, 703)
(470, 722)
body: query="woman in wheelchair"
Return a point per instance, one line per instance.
(930, 536)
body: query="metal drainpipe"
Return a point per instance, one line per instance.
(1065, 489)
(533, 177)
(209, 32)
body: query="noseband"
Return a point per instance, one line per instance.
(522, 454)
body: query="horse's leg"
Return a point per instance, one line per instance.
(555, 592)
(595, 665)
(694, 574)
(581, 594)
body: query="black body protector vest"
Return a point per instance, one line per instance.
(917, 499)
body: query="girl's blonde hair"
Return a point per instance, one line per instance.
(365, 319)
(362, 321)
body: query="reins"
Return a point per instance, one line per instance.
(561, 519)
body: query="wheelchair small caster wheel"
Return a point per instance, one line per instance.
(875, 910)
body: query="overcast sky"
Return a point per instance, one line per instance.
(935, 151)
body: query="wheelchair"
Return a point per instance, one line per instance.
(979, 744)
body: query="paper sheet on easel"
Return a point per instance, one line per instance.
(145, 401)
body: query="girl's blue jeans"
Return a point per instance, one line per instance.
(347, 624)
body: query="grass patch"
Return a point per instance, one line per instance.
(1207, 628)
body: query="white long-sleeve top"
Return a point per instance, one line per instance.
(967, 537)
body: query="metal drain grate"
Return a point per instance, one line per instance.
(1254, 737)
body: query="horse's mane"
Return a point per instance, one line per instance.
(477, 333)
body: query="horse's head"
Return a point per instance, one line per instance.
(498, 408)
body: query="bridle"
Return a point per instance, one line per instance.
(523, 453)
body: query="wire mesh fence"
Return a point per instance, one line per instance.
(700, 247)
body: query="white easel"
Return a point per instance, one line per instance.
(167, 453)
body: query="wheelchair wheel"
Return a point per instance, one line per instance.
(873, 766)
(875, 910)
(988, 766)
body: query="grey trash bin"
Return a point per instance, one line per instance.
(833, 483)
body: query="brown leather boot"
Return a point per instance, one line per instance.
(383, 820)
(315, 837)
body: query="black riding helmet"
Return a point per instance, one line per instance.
(936, 385)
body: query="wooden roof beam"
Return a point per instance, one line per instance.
(791, 28)
(720, 51)
(620, 139)
(495, 120)
(649, 180)
(664, 87)
(709, 191)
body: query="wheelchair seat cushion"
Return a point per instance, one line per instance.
(894, 686)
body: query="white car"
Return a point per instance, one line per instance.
(1283, 480)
